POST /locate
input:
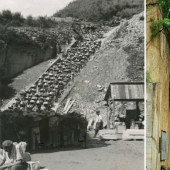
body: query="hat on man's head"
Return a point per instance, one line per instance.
(7, 143)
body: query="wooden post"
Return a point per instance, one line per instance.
(107, 118)
(108, 115)
(113, 113)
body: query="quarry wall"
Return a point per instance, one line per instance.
(16, 58)
(157, 90)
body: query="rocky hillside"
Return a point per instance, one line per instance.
(120, 59)
(99, 10)
(25, 46)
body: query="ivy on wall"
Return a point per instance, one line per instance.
(148, 77)
(163, 24)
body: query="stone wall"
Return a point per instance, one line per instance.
(157, 99)
(16, 58)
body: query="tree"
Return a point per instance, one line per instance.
(6, 14)
(42, 22)
(18, 16)
(29, 20)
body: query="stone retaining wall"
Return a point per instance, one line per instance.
(157, 99)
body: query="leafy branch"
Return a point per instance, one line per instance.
(159, 26)
(163, 24)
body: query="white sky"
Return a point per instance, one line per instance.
(34, 7)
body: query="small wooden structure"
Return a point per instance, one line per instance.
(122, 91)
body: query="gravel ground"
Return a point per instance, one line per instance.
(109, 155)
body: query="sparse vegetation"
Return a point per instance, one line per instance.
(9, 35)
(11, 19)
(96, 10)
(163, 24)
(16, 19)
(148, 77)
(41, 21)
(14, 28)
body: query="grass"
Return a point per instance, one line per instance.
(148, 77)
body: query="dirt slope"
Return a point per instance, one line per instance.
(120, 59)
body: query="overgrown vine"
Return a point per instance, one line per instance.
(163, 24)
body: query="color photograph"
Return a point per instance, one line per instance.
(157, 85)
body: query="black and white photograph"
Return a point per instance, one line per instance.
(72, 85)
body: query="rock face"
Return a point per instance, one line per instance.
(157, 99)
(111, 63)
(16, 58)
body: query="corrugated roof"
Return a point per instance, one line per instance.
(130, 91)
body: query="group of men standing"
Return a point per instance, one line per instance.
(34, 105)
(13, 156)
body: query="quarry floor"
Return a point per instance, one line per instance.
(100, 155)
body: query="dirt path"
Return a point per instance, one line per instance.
(119, 155)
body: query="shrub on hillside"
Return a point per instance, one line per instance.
(29, 20)
(10, 36)
(41, 21)
(96, 10)
(11, 19)
(7, 14)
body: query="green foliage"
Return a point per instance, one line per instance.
(164, 23)
(161, 25)
(156, 28)
(148, 77)
(96, 10)
(165, 7)
(148, 7)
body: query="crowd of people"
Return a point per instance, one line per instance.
(33, 106)
(14, 155)
(44, 94)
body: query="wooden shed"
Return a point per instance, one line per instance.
(123, 91)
